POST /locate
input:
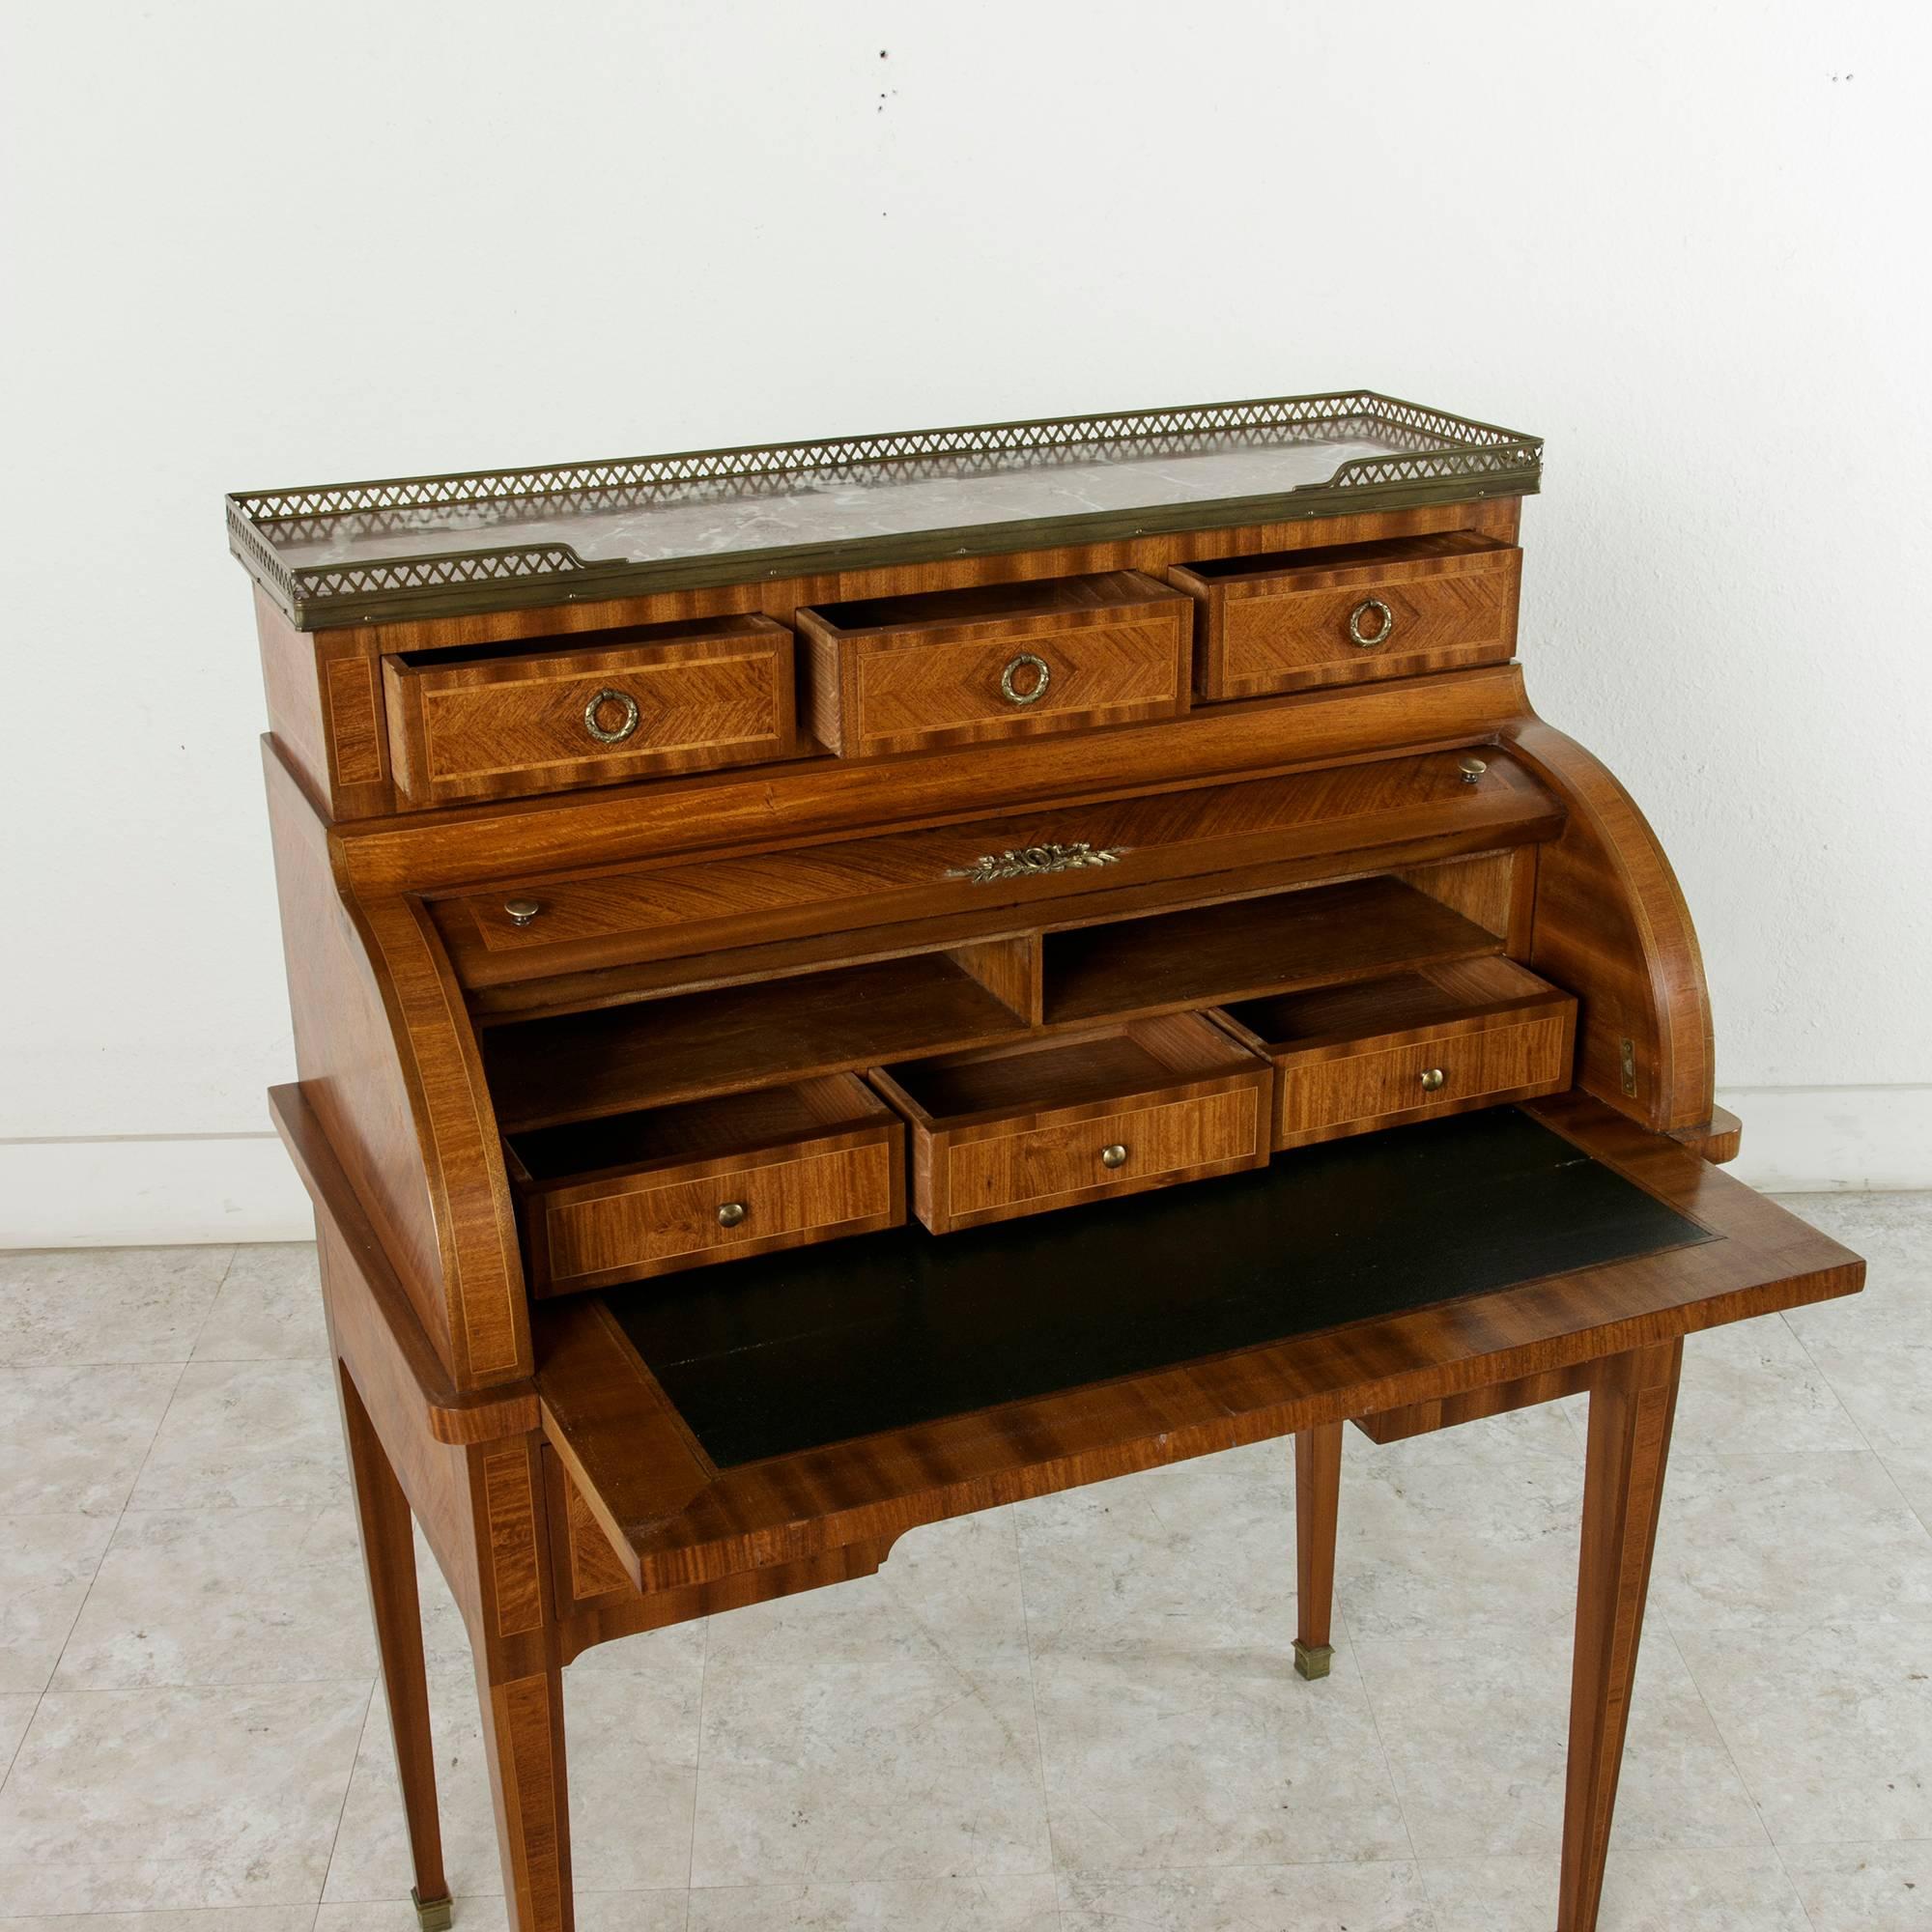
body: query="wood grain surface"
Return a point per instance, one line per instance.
(490, 725)
(635, 1458)
(1357, 810)
(1282, 622)
(715, 954)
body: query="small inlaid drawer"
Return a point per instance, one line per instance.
(675, 1187)
(1000, 661)
(1379, 1053)
(1299, 619)
(1056, 1121)
(503, 721)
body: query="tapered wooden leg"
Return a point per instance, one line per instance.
(522, 1730)
(389, 1557)
(1318, 1488)
(520, 1681)
(1633, 1398)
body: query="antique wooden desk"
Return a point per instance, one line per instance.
(842, 984)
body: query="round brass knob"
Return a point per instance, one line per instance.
(1114, 1155)
(1473, 770)
(627, 716)
(1433, 1078)
(1041, 677)
(522, 910)
(1355, 632)
(731, 1213)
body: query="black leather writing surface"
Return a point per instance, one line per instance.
(767, 1356)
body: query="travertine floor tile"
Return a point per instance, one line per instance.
(676, 1655)
(1213, 1537)
(1750, 1388)
(1913, 1476)
(908, 1754)
(445, 1636)
(1375, 1898)
(880, 1730)
(596, 1911)
(1473, 1528)
(16, 1710)
(633, 1742)
(269, 1308)
(1832, 1726)
(398, 1914)
(100, 1305)
(907, 1905)
(1875, 1349)
(371, 1859)
(1171, 1742)
(46, 1562)
(1893, 1232)
(1750, 1542)
(247, 1435)
(945, 1584)
(1645, 1889)
(1476, 1730)
(74, 1438)
(1864, 1888)
(211, 1597)
(633, 1751)
(213, 1919)
(123, 1801)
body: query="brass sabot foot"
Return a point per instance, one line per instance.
(431, 1913)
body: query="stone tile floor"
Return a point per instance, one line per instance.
(1074, 1715)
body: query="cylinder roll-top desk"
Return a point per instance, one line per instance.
(841, 984)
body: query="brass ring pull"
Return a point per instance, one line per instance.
(1114, 1157)
(1433, 1078)
(625, 701)
(731, 1213)
(1042, 676)
(1361, 609)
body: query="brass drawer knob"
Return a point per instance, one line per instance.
(1114, 1155)
(1041, 677)
(731, 1213)
(1433, 1078)
(522, 910)
(1473, 770)
(1366, 639)
(627, 717)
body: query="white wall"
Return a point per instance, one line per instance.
(252, 245)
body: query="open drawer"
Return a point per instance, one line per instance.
(750, 1421)
(501, 720)
(995, 660)
(666, 1188)
(1295, 619)
(1075, 1118)
(1435, 1040)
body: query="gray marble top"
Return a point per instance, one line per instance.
(704, 519)
(716, 515)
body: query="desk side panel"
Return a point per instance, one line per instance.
(324, 693)
(388, 1063)
(1612, 926)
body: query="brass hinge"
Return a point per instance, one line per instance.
(1629, 1069)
